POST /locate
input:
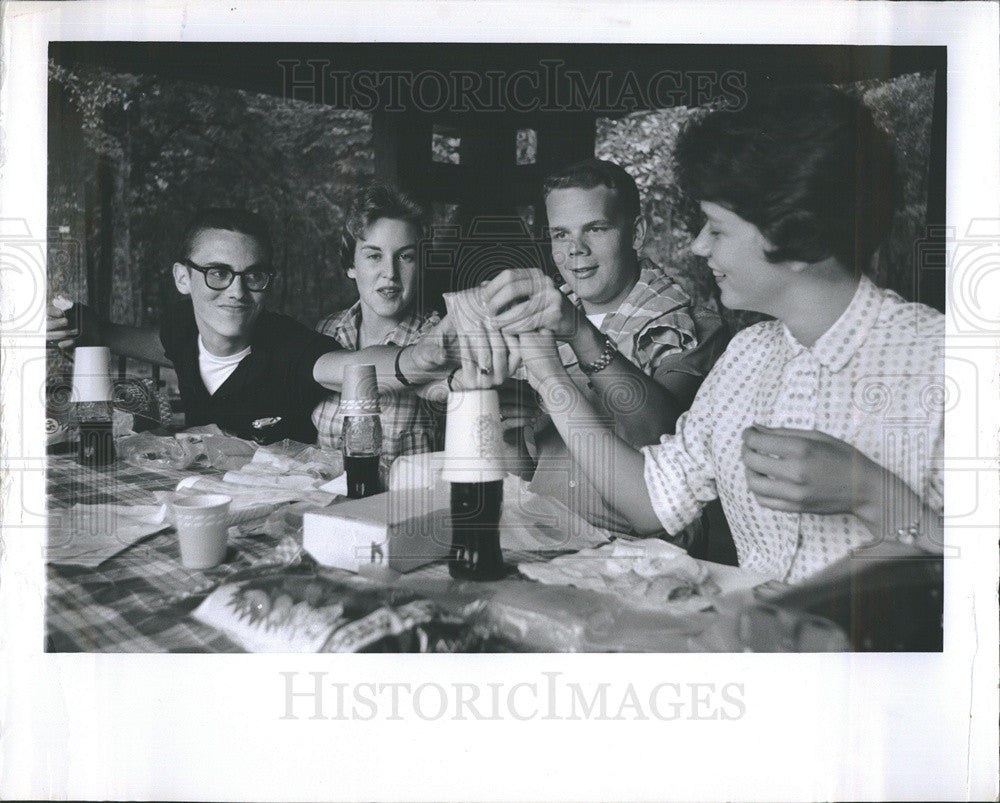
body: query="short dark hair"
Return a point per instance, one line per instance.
(807, 165)
(374, 202)
(590, 173)
(228, 219)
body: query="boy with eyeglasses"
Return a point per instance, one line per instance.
(252, 372)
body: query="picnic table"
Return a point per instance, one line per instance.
(141, 599)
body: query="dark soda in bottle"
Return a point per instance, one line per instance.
(97, 444)
(475, 531)
(96, 447)
(362, 435)
(362, 475)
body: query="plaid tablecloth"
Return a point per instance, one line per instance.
(139, 600)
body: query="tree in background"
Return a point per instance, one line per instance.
(643, 143)
(160, 149)
(165, 148)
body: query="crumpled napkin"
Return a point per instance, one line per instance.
(87, 535)
(250, 495)
(644, 573)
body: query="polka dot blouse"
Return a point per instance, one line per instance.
(874, 379)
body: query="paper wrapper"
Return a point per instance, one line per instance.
(248, 495)
(646, 574)
(88, 535)
(288, 613)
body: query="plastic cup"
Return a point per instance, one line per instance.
(473, 440)
(202, 529)
(91, 374)
(359, 391)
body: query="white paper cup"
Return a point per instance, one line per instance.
(359, 391)
(91, 374)
(202, 528)
(473, 440)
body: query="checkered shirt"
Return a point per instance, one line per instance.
(654, 322)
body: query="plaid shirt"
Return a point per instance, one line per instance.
(654, 322)
(408, 425)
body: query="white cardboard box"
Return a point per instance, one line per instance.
(404, 530)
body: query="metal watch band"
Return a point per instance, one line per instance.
(602, 362)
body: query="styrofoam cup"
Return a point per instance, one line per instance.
(202, 528)
(91, 374)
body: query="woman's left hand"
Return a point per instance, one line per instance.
(806, 471)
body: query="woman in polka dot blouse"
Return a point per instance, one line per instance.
(821, 430)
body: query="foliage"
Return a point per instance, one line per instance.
(446, 145)
(526, 145)
(164, 148)
(643, 143)
(176, 146)
(904, 108)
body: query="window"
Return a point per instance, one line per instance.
(443, 215)
(446, 145)
(527, 146)
(527, 214)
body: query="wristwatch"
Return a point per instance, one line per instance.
(406, 383)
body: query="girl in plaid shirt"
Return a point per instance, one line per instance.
(380, 249)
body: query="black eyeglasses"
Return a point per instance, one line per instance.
(219, 277)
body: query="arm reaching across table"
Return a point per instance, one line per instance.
(613, 466)
(526, 299)
(87, 328)
(416, 365)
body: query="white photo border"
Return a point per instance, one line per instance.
(808, 726)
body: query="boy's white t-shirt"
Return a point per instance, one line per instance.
(216, 370)
(597, 318)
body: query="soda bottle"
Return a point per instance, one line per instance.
(362, 437)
